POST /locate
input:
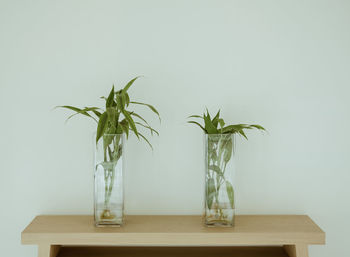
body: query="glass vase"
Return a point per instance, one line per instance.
(219, 187)
(109, 189)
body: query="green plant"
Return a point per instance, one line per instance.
(219, 153)
(116, 119)
(211, 126)
(112, 121)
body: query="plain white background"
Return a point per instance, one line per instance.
(282, 64)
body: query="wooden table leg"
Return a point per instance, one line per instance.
(299, 250)
(48, 250)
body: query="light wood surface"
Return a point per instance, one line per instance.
(172, 252)
(174, 231)
(300, 250)
(45, 250)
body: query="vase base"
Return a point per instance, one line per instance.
(218, 224)
(212, 222)
(105, 225)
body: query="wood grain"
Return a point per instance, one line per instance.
(174, 231)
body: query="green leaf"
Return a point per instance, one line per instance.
(210, 192)
(215, 120)
(125, 127)
(120, 102)
(119, 152)
(127, 99)
(149, 106)
(110, 99)
(146, 140)
(222, 123)
(138, 116)
(131, 122)
(243, 134)
(70, 108)
(208, 114)
(123, 99)
(112, 116)
(230, 193)
(97, 113)
(102, 125)
(216, 169)
(148, 127)
(119, 130)
(231, 129)
(195, 116)
(209, 126)
(129, 84)
(228, 151)
(79, 111)
(194, 122)
(244, 126)
(222, 145)
(258, 127)
(107, 140)
(213, 155)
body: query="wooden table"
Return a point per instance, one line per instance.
(162, 236)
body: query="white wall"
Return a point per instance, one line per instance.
(283, 64)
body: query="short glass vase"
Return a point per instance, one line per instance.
(109, 176)
(219, 187)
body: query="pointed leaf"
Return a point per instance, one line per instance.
(215, 120)
(130, 83)
(79, 111)
(208, 114)
(69, 107)
(258, 127)
(243, 134)
(146, 140)
(148, 127)
(110, 99)
(195, 116)
(131, 122)
(149, 106)
(194, 122)
(101, 127)
(138, 116)
(209, 127)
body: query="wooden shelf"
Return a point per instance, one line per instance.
(172, 251)
(160, 234)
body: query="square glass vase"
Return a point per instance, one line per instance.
(219, 187)
(108, 180)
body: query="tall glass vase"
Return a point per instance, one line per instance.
(109, 189)
(219, 187)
